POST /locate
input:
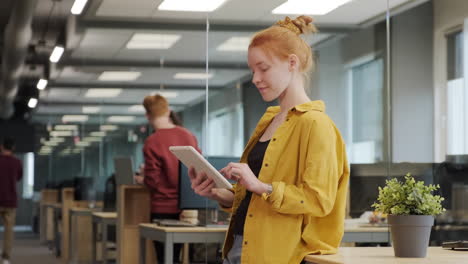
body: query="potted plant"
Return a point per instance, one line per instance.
(411, 208)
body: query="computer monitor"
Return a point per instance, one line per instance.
(123, 170)
(188, 199)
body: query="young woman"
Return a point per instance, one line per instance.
(290, 196)
(161, 170)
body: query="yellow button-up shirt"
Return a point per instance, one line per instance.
(306, 164)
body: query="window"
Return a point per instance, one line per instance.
(366, 112)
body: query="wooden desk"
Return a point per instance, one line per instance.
(385, 255)
(80, 246)
(48, 196)
(47, 224)
(171, 235)
(57, 226)
(104, 219)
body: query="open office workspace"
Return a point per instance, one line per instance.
(93, 93)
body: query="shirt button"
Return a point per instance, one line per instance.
(302, 201)
(294, 109)
(266, 164)
(245, 243)
(287, 119)
(250, 215)
(274, 139)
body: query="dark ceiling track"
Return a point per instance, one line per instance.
(17, 35)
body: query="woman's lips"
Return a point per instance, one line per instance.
(261, 90)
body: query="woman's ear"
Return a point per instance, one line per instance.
(293, 62)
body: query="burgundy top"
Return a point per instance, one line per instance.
(162, 167)
(11, 171)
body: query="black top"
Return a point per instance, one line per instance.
(255, 161)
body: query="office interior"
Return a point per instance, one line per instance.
(391, 73)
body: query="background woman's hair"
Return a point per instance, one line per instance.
(175, 119)
(155, 105)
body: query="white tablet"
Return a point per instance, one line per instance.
(190, 157)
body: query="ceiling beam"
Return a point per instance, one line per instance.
(104, 85)
(89, 62)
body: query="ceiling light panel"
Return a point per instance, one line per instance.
(235, 44)
(90, 109)
(152, 41)
(119, 76)
(74, 118)
(103, 93)
(192, 76)
(190, 5)
(309, 7)
(120, 119)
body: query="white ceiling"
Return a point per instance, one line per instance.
(108, 45)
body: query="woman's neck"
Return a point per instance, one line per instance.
(293, 95)
(162, 123)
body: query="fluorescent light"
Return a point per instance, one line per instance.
(51, 144)
(193, 76)
(120, 119)
(82, 144)
(78, 7)
(309, 7)
(235, 44)
(166, 94)
(137, 108)
(98, 134)
(152, 41)
(66, 127)
(74, 118)
(56, 139)
(190, 5)
(90, 109)
(119, 76)
(92, 139)
(32, 102)
(56, 54)
(103, 92)
(108, 127)
(61, 133)
(41, 84)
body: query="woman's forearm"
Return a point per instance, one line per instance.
(225, 197)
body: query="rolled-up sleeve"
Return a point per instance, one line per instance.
(316, 194)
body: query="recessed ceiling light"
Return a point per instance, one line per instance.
(61, 133)
(90, 109)
(119, 76)
(235, 44)
(82, 144)
(152, 41)
(92, 139)
(137, 108)
(190, 5)
(103, 92)
(66, 127)
(41, 84)
(32, 102)
(78, 7)
(120, 119)
(56, 139)
(74, 118)
(51, 143)
(98, 134)
(108, 127)
(166, 94)
(193, 76)
(56, 54)
(309, 7)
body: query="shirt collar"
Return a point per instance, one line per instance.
(317, 105)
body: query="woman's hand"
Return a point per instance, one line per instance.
(242, 173)
(202, 184)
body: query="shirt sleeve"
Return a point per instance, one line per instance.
(316, 194)
(153, 168)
